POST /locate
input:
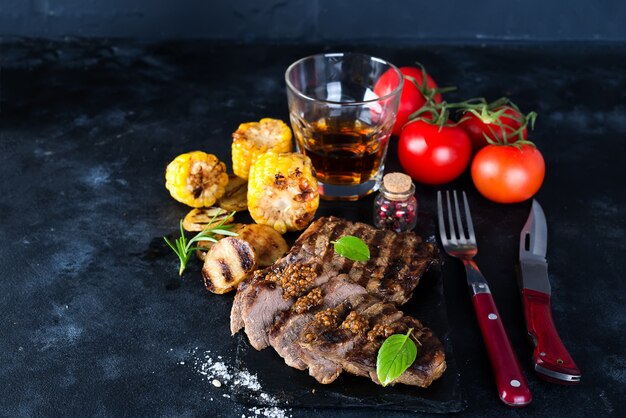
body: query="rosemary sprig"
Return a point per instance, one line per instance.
(183, 247)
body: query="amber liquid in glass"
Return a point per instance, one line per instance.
(344, 152)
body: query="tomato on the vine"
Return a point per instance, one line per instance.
(508, 173)
(412, 97)
(433, 154)
(500, 126)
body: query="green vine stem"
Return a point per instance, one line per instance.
(428, 92)
(493, 113)
(490, 113)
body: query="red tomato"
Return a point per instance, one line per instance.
(433, 155)
(508, 174)
(476, 127)
(411, 98)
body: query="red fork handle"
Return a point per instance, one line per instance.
(512, 386)
(551, 359)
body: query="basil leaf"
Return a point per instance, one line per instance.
(396, 355)
(352, 248)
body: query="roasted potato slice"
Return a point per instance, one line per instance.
(198, 219)
(235, 198)
(205, 246)
(268, 244)
(228, 262)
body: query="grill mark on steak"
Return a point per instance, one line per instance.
(361, 274)
(328, 250)
(397, 262)
(345, 264)
(390, 245)
(284, 334)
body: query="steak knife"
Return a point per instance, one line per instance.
(551, 359)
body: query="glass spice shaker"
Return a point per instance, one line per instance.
(395, 207)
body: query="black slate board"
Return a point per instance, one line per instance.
(289, 387)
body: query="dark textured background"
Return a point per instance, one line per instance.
(312, 21)
(95, 321)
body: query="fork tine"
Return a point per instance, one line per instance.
(470, 224)
(459, 224)
(442, 224)
(451, 219)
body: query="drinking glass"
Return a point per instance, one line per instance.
(342, 114)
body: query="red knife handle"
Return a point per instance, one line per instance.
(512, 386)
(550, 357)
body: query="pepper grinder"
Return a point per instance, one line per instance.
(395, 207)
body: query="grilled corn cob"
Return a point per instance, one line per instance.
(252, 139)
(282, 191)
(196, 179)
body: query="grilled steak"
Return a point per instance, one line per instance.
(362, 324)
(396, 263)
(287, 332)
(326, 313)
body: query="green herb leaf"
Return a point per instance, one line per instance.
(396, 355)
(225, 232)
(183, 248)
(352, 248)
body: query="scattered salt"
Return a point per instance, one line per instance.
(206, 366)
(247, 380)
(218, 373)
(270, 400)
(273, 412)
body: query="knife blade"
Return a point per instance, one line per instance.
(551, 359)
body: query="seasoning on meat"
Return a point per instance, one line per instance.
(295, 279)
(355, 324)
(328, 318)
(309, 301)
(323, 320)
(380, 331)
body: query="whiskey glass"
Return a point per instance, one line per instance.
(342, 119)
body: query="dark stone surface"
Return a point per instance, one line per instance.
(95, 321)
(314, 21)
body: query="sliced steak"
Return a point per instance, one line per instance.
(428, 366)
(397, 261)
(396, 264)
(267, 300)
(352, 345)
(334, 337)
(290, 326)
(302, 303)
(258, 304)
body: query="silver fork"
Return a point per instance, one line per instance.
(460, 242)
